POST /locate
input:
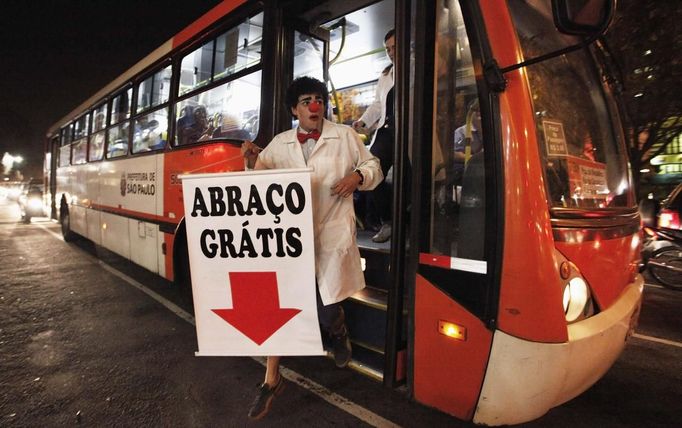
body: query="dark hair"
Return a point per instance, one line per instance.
(390, 34)
(305, 85)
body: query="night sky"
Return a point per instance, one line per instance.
(57, 53)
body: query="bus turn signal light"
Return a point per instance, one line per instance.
(452, 330)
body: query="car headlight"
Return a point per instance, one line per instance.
(35, 203)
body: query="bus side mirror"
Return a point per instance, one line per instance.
(582, 17)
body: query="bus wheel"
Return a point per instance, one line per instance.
(67, 234)
(26, 219)
(181, 271)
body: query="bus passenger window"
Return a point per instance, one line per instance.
(457, 226)
(99, 115)
(227, 111)
(79, 146)
(308, 56)
(195, 70)
(65, 145)
(154, 90)
(239, 48)
(96, 150)
(117, 141)
(79, 149)
(120, 106)
(80, 127)
(151, 131)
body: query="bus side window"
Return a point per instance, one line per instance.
(215, 113)
(65, 146)
(151, 131)
(96, 146)
(117, 141)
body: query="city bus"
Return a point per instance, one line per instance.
(510, 282)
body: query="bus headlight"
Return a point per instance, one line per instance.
(576, 297)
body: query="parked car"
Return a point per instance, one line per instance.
(31, 201)
(670, 213)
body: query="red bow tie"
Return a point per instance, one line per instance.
(303, 137)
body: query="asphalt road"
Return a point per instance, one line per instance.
(82, 342)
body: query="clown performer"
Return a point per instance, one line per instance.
(341, 164)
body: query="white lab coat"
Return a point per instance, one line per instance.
(337, 153)
(375, 115)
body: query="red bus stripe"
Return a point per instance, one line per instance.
(206, 20)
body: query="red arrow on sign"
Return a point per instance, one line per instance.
(255, 302)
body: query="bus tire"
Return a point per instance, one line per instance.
(65, 221)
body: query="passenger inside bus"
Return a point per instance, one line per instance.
(193, 125)
(149, 135)
(229, 127)
(468, 141)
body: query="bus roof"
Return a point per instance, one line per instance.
(165, 49)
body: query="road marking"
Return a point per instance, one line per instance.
(54, 234)
(657, 340)
(327, 395)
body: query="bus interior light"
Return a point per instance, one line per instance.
(452, 330)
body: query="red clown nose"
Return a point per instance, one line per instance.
(314, 106)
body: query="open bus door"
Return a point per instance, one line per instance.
(341, 43)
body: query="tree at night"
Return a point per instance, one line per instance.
(646, 43)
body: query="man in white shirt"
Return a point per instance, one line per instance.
(380, 115)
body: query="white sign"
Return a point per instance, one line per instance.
(555, 139)
(252, 257)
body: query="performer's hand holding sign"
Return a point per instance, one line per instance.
(250, 152)
(341, 163)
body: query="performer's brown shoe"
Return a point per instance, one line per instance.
(261, 405)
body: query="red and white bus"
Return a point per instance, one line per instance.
(510, 284)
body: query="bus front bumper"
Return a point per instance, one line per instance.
(525, 379)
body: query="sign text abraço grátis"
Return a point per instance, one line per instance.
(264, 242)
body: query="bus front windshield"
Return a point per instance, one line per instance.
(585, 166)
